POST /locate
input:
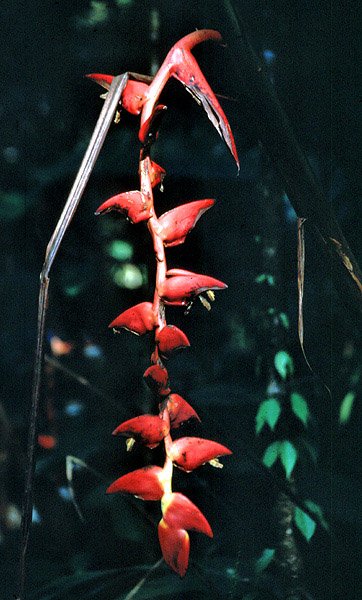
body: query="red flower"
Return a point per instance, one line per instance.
(180, 63)
(175, 546)
(181, 287)
(156, 378)
(149, 130)
(134, 205)
(180, 513)
(143, 483)
(179, 410)
(138, 319)
(147, 429)
(179, 221)
(133, 96)
(170, 339)
(188, 453)
(156, 174)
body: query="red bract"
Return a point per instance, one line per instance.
(149, 129)
(181, 64)
(188, 453)
(175, 546)
(156, 174)
(170, 339)
(177, 287)
(138, 319)
(143, 483)
(181, 286)
(179, 221)
(147, 429)
(180, 513)
(156, 378)
(179, 410)
(134, 205)
(133, 96)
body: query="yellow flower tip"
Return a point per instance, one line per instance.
(216, 463)
(130, 442)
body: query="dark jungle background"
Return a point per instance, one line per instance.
(85, 544)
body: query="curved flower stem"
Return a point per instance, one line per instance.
(154, 228)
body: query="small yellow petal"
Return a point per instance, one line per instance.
(130, 442)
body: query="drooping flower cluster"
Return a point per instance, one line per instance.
(176, 287)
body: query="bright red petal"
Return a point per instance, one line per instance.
(175, 546)
(179, 410)
(180, 513)
(157, 174)
(143, 483)
(188, 453)
(138, 319)
(177, 223)
(149, 129)
(103, 80)
(133, 205)
(134, 96)
(170, 339)
(157, 379)
(181, 64)
(181, 285)
(147, 429)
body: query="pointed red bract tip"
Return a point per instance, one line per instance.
(175, 546)
(189, 453)
(179, 221)
(156, 173)
(170, 339)
(157, 379)
(138, 319)
(143, 483)
(180, 513)
(147, 429)
(102, 79)
(196, 37)
(133, 205)
(179, 410)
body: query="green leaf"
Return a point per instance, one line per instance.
(271, 454)
(284, 319)
(316, 509)
(120, 250)
(288, 456)
(346, 407)
(260, 278)
(305, 524)
(268, 412)
(284, 364)
(299, 407)
(264, 560)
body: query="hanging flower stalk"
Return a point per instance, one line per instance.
(176, 287)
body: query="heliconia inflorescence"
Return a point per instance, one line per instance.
(176, 287)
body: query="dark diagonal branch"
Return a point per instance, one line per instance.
(269, 122)
(89, 160)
